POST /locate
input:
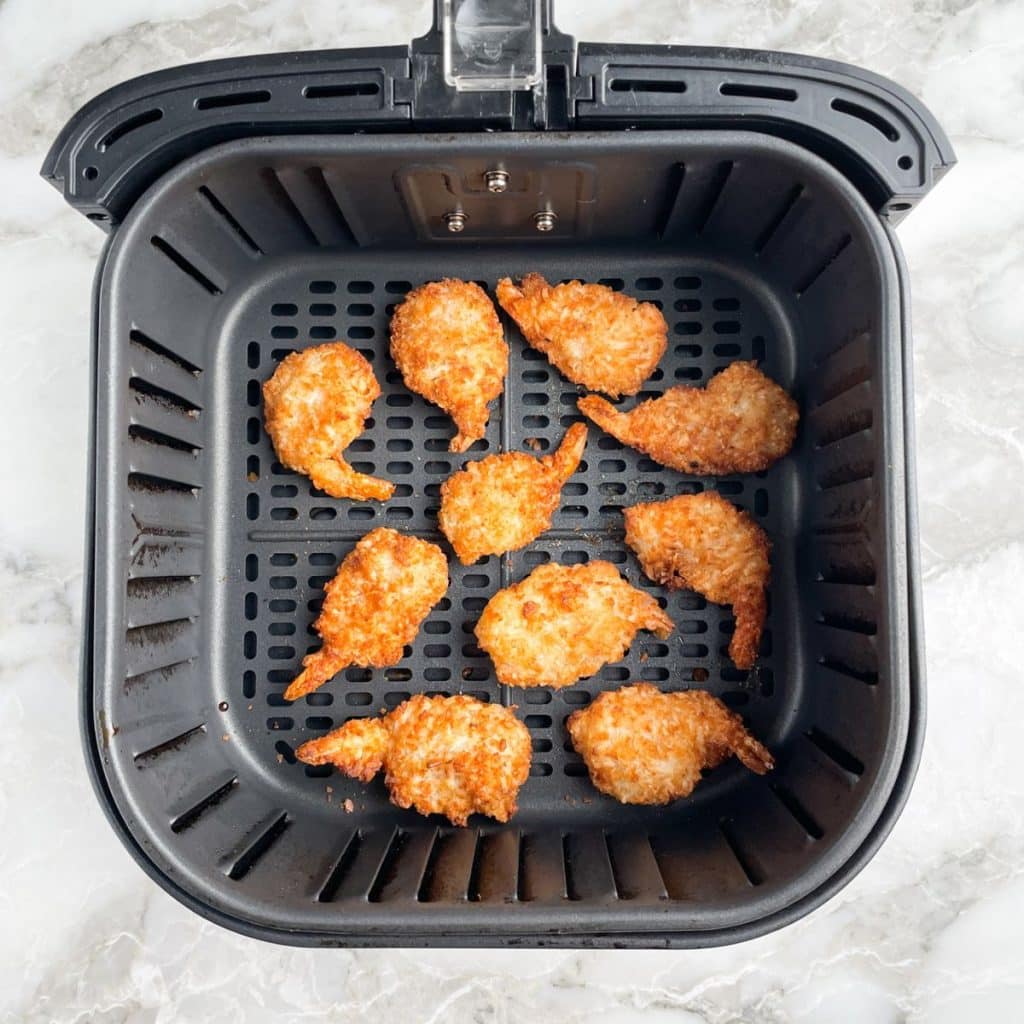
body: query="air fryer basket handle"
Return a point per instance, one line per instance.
(876, 133)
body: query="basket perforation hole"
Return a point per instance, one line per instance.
(648, 284)
(323, 287)
(360, 287)
(574, 558)
(688, 373)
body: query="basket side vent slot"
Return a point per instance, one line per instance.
(743, 856)
(258, 848)
(185, 265)
(284, 200)
(177, 742)
(130, 124)
(835, 751)
(187, 818)
(143, 340)
(233, 225)
(803, 817)
(779, 218)
(233, 99)
(871, 117)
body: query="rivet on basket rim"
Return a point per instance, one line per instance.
(455, 221)
(496, 180)
(544, 220)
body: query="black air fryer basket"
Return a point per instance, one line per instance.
(258, 206)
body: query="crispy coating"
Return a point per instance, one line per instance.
(373, 607)
(447, 340)
(315, 406)
(642, 746)
(740, 423)
(701, 541)
(596, 336)
(454, 756)
(503, 502)
(563, 622)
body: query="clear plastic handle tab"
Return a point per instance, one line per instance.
(492, 45)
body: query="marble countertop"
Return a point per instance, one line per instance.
(932, 930)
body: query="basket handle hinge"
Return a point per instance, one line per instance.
(492, 63)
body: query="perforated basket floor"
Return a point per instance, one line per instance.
(221, 555)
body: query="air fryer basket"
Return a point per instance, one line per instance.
(208, 558)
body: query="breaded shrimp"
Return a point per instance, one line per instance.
(562, 623)
(701, 541)
(315, 406)
(642, 746)
(594, 335)
(741, 422)
(447, 341)
(503, 502)
(374, 606)
(454, 756)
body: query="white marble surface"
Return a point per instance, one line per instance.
(932, 931)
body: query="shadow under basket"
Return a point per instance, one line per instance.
(210, 558)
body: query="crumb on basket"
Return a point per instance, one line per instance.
(534, 443)
(253, 477)
(348, 805)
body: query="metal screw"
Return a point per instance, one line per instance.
(456, 221)
(545, 220)
(497, 181)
